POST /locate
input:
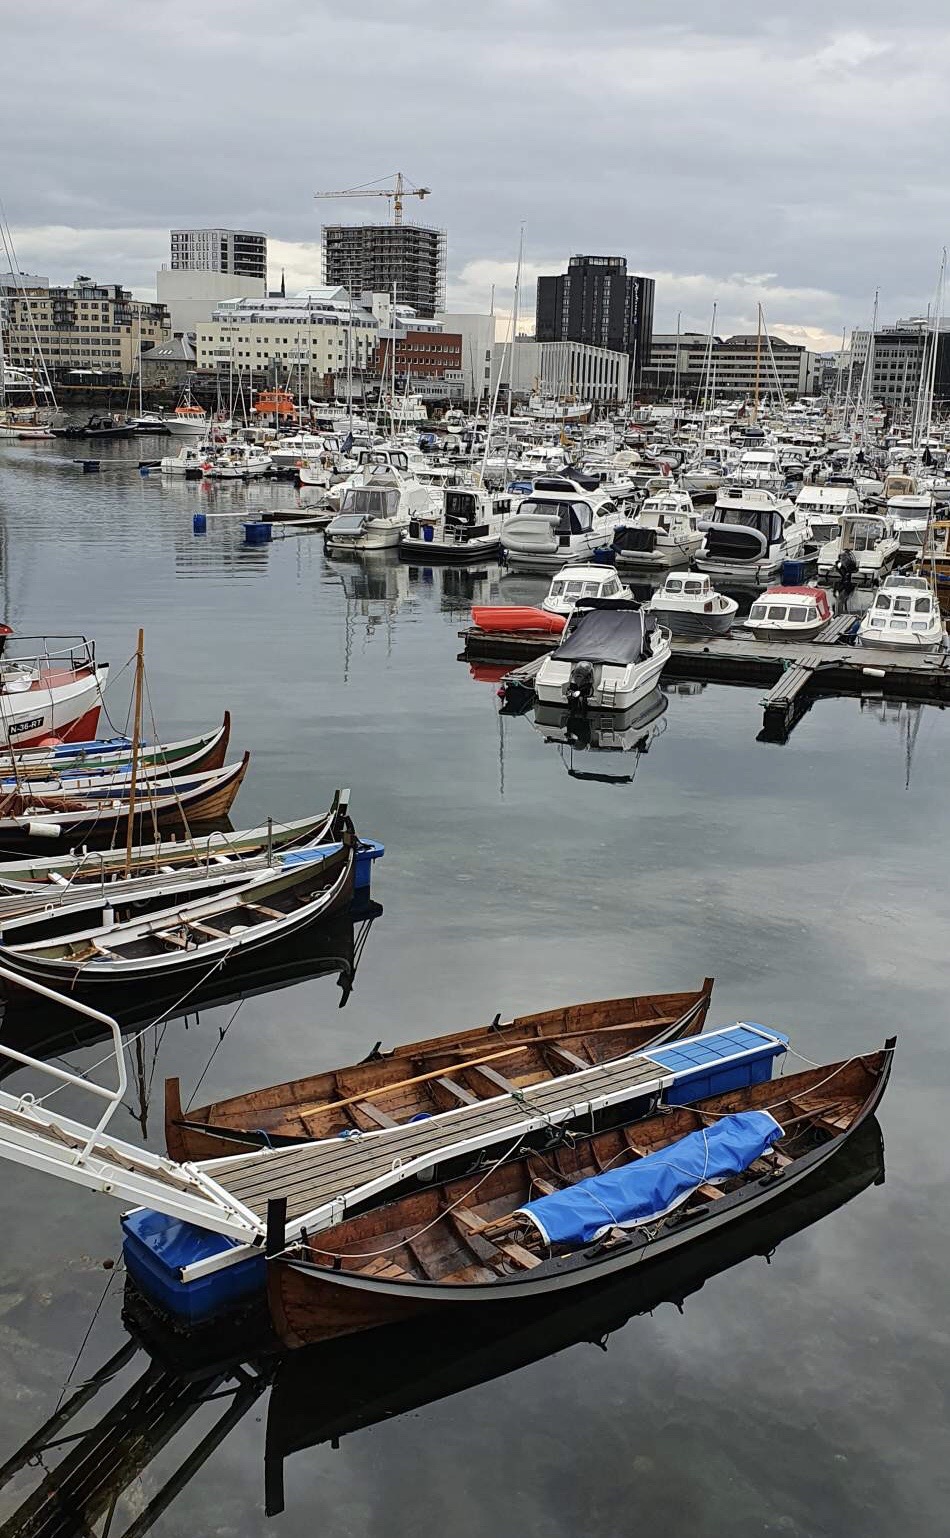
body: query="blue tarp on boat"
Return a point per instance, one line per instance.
(308, 856)
(647, 1188)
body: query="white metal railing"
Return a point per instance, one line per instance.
(113, 1096)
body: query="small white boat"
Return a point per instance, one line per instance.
(467, 528)
(576, 582)
(822, 507)
(237, 462)
(664, 533)
(610, 656)
(789, 614)
(191, 459)
(558, 524)
(286, 453)
(690, 606)
(863, 553)
(905, 613)
(188, 420)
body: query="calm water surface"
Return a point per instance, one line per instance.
(808, 1397)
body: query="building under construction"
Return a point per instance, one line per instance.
(377, 258)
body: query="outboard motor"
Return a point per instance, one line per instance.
(580, 685)
(846, 565)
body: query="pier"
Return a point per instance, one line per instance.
(795, 673)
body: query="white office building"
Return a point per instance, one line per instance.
(313, 333)
(562, 370)
(478, 343)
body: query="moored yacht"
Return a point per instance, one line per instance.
(610, 655)
(863, 552)
(467, 527)
(664, 533)
(376, 514)
(789, 614)
(749, 534)
(558, 524)
(690, 606)
(577, 582)
(905, 613)
(823, 506)
(237, 462)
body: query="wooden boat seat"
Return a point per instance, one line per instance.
(566, 1056)
(480, 1231)
(496, 1078)
(208, 930)
(270, 913)
(375, 1114)
(382, 1266)
(464, 1096)
(170, 938)
(522, 1258)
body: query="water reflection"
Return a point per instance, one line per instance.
(81, 1474)
(607, 731)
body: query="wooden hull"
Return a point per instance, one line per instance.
(60, 817)
(418, 1254)
(194, 753)
(406, 1081)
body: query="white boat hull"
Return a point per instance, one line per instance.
(379, 536)
(610, 693)
(68, 710)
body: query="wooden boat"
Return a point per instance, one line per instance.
(473, 1241)
(51, 689)
(113, 756)
(188, 939)
(32, 884)
(427, 1077)
(194, 799)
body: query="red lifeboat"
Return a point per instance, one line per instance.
(514, 617)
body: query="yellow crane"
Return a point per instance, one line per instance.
(401, 189)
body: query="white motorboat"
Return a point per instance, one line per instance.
(286, 453)
(789, 614)
(191, 460)
(664, 533)
(237, 462)
(576, 582)
(905, 613)
(863, 553)
(761, 468)
(749, 534)
(559, 524)
(376, 514)
(51, 689)
(610, 655)
(188, 420)
(467, 527)
(690, 606)
(823, 506)
(383, 457)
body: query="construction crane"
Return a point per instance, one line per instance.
(401, 189)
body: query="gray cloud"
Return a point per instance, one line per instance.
(741, 156)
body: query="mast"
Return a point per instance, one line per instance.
(758, 369)
(511, 355)
(136, 742)
(935, 337)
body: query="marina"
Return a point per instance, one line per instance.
(451, 1071)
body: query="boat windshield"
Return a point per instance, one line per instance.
(370, 502)
(573, 517)
(866, 535)
(762, 519)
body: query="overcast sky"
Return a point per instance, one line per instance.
(793, 155)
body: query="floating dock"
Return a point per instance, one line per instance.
(796, 673)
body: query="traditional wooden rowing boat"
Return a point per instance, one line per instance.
(102, 875)
(185, 939)
(487, 1238)
(78, 760)
(427, 1077)
(26, 819)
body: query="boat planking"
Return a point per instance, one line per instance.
(463, 1245)
(425, 1078)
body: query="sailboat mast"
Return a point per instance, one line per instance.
(758, 369)
(136, 744)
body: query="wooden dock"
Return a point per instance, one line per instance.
(795, 673)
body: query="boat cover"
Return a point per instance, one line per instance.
(308, 856)
(648, 1188)
(613, 636)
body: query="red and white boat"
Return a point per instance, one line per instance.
(50, 692)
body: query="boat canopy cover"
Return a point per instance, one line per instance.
(614, 633)
(648, 1188)
(309, 856)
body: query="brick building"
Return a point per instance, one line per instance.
(421, 354)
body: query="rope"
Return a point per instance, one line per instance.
(221, 1036)
(114, 1270)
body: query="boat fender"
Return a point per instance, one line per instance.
(37, 829)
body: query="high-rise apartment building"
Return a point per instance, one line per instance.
(243, 252)
(378, 258)
(599, 303)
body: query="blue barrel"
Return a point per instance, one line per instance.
(427, 533)
(90, 466)
(258, 533)
(143, 469)
(793, 573)
(199, 523)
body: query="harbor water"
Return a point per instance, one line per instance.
(805, 1397)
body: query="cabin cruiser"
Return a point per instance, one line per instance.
(576, 582)
(611, 655)
(237, 462)
(377, 513)
(905, 613)
(703, 476)
(862, 554)
(750, 533)
(789, 614)
(287, 452)
(823, 506)
(664, 533)
(188, 420)
(910, 508)
(558, 524)
(466, 528)
(761, 468)
(689, 604)
(369, 460)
